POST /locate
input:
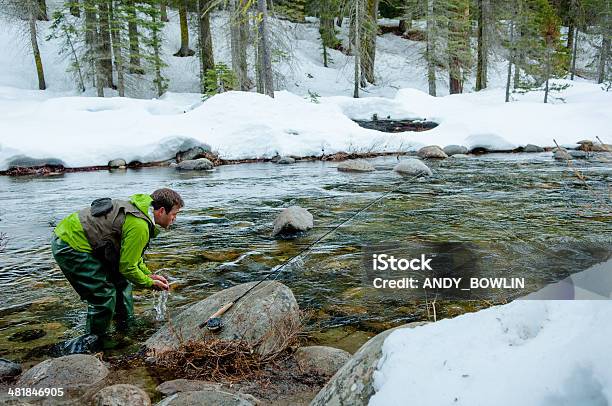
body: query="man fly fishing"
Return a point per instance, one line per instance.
(100, 248)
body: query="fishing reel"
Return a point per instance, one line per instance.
(213, 324)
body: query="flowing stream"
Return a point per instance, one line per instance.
(518, 214)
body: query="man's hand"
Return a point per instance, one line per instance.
(159, 282)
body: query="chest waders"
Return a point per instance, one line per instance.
(95, 276)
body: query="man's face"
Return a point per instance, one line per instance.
(165, 219)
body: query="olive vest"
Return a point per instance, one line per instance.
(103, 227)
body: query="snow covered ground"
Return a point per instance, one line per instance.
(313, 115)
(528, 352)
(85, 131)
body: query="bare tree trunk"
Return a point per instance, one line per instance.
(184, 50)
(135, 66)
(483, 44)
(368, 46)
(163, 12)
(458, 44)
(430, 51)
(357, 49)
(74, 8)
(574, 51)
(207, 60)
(265, 56)
(239, 41)
(603, 58)
(104, 42)
(37, 59)
(510, 60)
(42, 11)
(518, 53)
(118, 56)
(548, 68)
(159, 80)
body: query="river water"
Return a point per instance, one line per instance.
(518, 214)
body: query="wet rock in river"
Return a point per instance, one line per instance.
(261, 318)
(321, 360)
(601, 148)
(451, 150)
(353, 383)
(209, 397)
(561, 154)
(578, 154)
(117, 163)
(121, 395)
(460, 156)
(8, 369)
(199, 151)
(292, 220)
(285, 160)
(532, 148)
(200, 164)
(432, 152)
(412, 167)
(356, 165)
(22, 161)
(75, 373)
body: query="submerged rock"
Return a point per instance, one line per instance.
(285, 160)
(209, 397)
(532, 148)
(451, 150)
(292, 220)
(192, 153)
(117, 163)
(356, 165)
(432, 152)
(321, 360)
(460, 156)
(75, 373)
(260, 318)
(353, 383)
(121, 395)
(8, 369)
(200, 164)
(601, 148)
(412, 167)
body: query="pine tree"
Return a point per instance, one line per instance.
(205, 43)
(65, 29)
(264, 55)
(239, 33)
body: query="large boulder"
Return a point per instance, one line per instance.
(356, 165)
(209, 397)
(117, 163)
(121, 395)
(199, 151)
(8, 370)
(321, 360)
(432, 152)
(292, 220)
(577, 154)
(412, 167)
(200, 164)
(261, 318)
(75, 373)
(353, 383)
(451, 150)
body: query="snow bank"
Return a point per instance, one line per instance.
(85, 131)
(526, 353)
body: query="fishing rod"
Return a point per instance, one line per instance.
(214, 323)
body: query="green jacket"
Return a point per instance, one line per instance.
(134, 239)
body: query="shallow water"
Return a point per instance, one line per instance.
(519, 214)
